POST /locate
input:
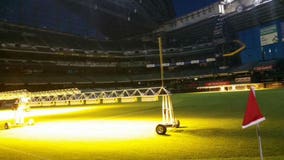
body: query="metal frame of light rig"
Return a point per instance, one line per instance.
(75, 97)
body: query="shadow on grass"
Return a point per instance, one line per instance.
(228, 133)
(213, 132)
(179, 129)
(183, 127)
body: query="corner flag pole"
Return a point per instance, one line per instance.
(161, 60)
(259, 140)
(253, 116)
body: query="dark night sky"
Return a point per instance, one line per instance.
(185, 6)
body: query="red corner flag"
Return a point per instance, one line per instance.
(253, 115)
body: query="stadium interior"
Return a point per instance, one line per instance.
(141, 79)
(107, 44)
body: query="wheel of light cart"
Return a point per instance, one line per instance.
(31, 122)
(177, 125)
(161, 129)
(7, 125)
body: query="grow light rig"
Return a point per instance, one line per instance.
(69, 97)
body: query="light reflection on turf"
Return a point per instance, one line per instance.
(9, 114)
(88, 130)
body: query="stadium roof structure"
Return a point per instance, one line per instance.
(122, 18)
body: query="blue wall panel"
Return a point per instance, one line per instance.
(274, 51)
(250, 37)
(254, 51)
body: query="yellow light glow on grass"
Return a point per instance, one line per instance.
(55, 111)
(9, 114)
(88, 130)
(6, 114)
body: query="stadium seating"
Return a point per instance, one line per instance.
(192, 53)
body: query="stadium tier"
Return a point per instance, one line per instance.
(212, 44)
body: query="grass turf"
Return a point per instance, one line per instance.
(210, 129)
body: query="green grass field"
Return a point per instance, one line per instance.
(210, 129)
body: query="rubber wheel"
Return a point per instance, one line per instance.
(177, 125)
(6, 125)
(31, 122)
(161, 129)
